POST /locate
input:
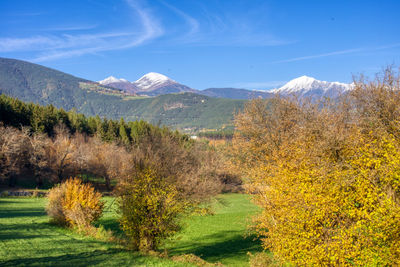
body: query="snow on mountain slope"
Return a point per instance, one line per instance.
(122, 84)
(111, 79)
(308, 86)
(151, 84)
(152, 80)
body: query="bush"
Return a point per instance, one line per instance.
(168, 180)
(54, 206)
(149, 210)
(75, 204)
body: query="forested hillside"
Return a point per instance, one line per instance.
(41, 85)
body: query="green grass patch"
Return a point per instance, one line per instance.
(27, 237)
(222, 237)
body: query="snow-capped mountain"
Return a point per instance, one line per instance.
(154, 84)
(153, 80)
(305, 86)
(151, 84)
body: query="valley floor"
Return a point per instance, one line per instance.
(27, 237)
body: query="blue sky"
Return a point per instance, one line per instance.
(251, 44)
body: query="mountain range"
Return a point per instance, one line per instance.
(154, 97)
(153, 84)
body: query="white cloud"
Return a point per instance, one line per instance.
(52, 47)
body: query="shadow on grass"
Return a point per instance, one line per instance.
(219, 246)
(13, 213)
(110, 224)
(112, 255)
(13, 235)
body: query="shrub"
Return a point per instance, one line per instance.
(54, 206)
(75, 204)
(168, 180)
(150, 210)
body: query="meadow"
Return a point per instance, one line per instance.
(27, 237)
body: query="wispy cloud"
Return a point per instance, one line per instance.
(222, 27)
(341, 52)
(51, 47)
(193, 24)
(209, 28)
(71, 28)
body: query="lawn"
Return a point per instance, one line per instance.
(26, 237)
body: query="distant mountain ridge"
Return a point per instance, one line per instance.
(153, 84)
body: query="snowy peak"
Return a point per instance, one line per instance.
(308, 86)
(153, 80)
(151, 84)
(111, 79)
(303, 82)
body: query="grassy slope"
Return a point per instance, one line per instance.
(26, 237)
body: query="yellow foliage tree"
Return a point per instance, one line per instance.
(327, 177)
(150, 209)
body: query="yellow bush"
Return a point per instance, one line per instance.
(75, 203)
(150, 208)
(331, 214)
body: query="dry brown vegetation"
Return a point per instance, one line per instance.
(56, 158)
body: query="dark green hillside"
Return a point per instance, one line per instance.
(186, 110)
(34, 83)
(41, 85)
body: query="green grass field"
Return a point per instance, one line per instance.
(27, 238)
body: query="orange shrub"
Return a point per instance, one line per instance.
(75, 203)
(54, 206)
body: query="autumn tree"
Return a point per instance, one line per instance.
(167, 181)
(326, 175)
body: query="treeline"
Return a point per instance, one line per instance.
(43, 145)
(44, 119)
(326, 175)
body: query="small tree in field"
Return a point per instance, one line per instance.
(150, 210)
(168, 180)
